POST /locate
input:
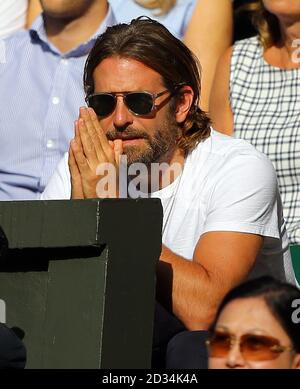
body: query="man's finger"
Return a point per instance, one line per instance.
(80, 158)
(87, 144)
(100, 134)
(93, 133)
(77, 135)
(91, 126)
(76, 185)
(118, 150)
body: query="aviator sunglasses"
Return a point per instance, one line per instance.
(139, 103)
(252, 347)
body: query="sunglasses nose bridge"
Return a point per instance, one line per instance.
(234, 356)
(122, 115)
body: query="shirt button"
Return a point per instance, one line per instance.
(64, 61)
(50, 144)
(55, 100)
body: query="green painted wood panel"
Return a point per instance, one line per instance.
(295, 251)
(79, 280)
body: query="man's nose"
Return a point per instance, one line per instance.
(122, 117)
(235, 359)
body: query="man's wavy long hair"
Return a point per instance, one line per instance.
(149, 42)
(266, 23)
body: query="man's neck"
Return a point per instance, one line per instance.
(173, 169)
(66, 35)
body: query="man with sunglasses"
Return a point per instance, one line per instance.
(222, 210)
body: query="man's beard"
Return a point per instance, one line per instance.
(156, 148)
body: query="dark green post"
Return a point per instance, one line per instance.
(295, 251)
(78, 279)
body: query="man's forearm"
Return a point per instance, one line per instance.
(187, 288)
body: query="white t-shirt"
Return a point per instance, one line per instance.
(226, 185)
(12, 16)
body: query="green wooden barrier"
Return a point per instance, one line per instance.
(295, 251)
(78, 279)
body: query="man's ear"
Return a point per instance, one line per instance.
(184, 102)
(296, 362)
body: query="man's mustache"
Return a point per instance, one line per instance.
(128, 134)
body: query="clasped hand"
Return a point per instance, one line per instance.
(89, 154)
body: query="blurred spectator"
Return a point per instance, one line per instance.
(243, 28)
(256, 94)
(17, 14)
(187, 350)
(13, 14)
(34, 9)
(12, 350)
(209, 34)
(41, 88)
(255, 328)
(174, 15)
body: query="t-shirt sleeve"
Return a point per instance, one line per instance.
(59, 186)
(245, 197)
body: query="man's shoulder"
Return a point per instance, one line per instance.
(222, 156)
(226, 147)
(13, 45)
(17, 38)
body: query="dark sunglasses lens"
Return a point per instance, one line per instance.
(259, 348)
(103, 104)
(139, 103)
(219, 345)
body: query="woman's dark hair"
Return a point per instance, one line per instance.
(277, 295)
(149, 42)
(266, 23)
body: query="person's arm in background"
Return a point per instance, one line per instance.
(208, 35)
(34, 9)
(219, 103)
